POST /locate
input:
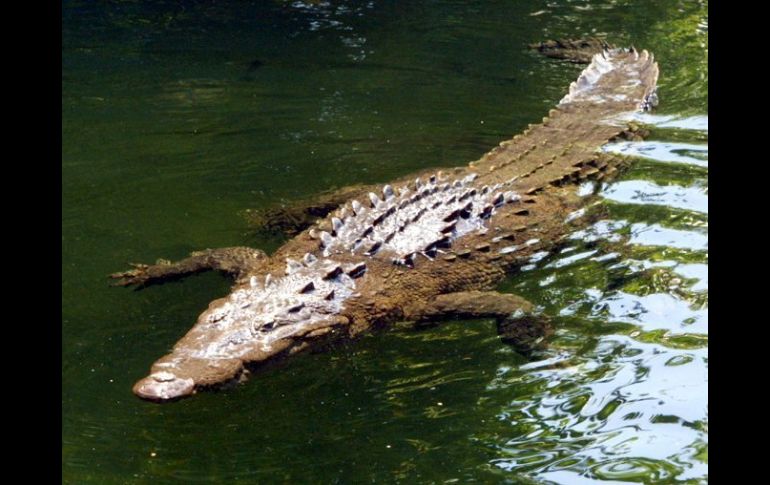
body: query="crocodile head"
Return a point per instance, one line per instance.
(261, 320)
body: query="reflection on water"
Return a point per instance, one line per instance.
(693, 123)
(663, 152)
(657, 235)
(628, 406)
(178, 115)
(644, 192)
(614, 413)
(649, 312)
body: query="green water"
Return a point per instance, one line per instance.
(177, 117)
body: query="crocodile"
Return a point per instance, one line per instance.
(422, 248)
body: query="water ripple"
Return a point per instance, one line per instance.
(689, 153)
(626, 408)
(692, 198)
(657, 235)
(690, 123)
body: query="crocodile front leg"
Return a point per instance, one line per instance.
(517, 322)
(235, 261)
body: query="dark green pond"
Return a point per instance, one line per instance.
(178, 116)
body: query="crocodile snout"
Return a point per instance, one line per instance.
(163, 386)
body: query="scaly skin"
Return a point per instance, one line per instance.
(422, 250)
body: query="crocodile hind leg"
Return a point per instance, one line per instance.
(517, 322)
(235, 261)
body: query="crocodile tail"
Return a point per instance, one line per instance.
(620, 79)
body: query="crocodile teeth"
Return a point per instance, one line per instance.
(388, 192)
(253, 282)
(432, 179)
(417, 184)
(309, 259)
(374, 199)
(268, 280)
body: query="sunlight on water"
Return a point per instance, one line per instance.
(634, 407)
(644, 192)
(176, 116)
(694, 123)
(611, 414)
(657, 235)
(663, 152)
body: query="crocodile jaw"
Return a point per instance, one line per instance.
(163, 386)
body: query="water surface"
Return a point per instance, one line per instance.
(179, 116)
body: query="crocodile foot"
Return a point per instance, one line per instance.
(234, 261)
